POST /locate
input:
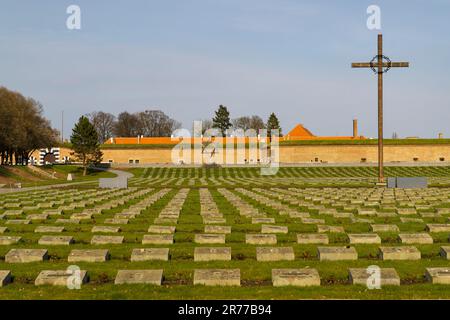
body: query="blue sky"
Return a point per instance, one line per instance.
(186, 57)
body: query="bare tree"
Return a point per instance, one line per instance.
(126, 125)
(103, 123)
(155, 123)
(245, 123)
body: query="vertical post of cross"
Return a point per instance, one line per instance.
(380, 110)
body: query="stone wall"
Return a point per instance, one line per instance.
(297, 154)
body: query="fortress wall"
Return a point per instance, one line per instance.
(296, 154)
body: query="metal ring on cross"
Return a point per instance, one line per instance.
(384, 59)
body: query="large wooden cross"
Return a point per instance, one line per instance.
(380, 64)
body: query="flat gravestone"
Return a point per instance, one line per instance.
(26, 255)
(209, 238)
(61, 277)
(105, 229)
(166, 220)
(275, 254)
(157, 239)
(217, 277)
(406, 211)
(312, 238)
(161, 229)
(212, 254)
(445, 252)
(5, 277)
(438, 227)
(337, 253)
(6, 241)
(263, 220)
(419, 238)
(88, 255)
(68, 221)
(399, 253)
(362, 276)
(295, 277)
(3, 229)
(438, 275)
(384, 228)
(411, 220)
(150, 254)
(274, 229)
(364, 238)
(214, 220)
(218, 229)
(116, 221)
(153, 277)
(331, 229)
(312, 221)
(107, 240)
(18, 221)
(260, 238)
(56, 240)
(49, 229)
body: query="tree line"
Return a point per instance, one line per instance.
(155, 123)
(23, 128)
(148, 123)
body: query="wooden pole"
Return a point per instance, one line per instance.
(380, 110)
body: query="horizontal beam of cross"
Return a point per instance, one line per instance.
(385, 64)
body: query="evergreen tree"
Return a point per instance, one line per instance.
(222, 120)
(85, 145)
(273, 124)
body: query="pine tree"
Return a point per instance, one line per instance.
(85, 145)
(273, 124)
(222, 120)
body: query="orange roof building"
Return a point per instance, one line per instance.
(298, 133)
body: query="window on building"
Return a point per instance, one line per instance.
(442, 159)
(130, 161)
(363, 160)
(416, 159)
(136, 161)
(110, 160)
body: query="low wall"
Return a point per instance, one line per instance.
(432, 153)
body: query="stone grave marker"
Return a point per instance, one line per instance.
(60, 277)
(337, 253)
(275, 254)
(274, 229)
(5, 277)
(217, 277)
(56, 240)
(295, 277)
(26, 255)
(415, 238)
(107, 240)
(161, 229)
(212, 254)
(157, 239)
(150, 254)
(259, 238)
(389, 276)
(209, 238)
(153, 277)
(88, 255)
(364, 238)
(438, 275)
(312, 238)
(399, 253)
(6, 241)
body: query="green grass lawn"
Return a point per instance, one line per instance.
(255, 276)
